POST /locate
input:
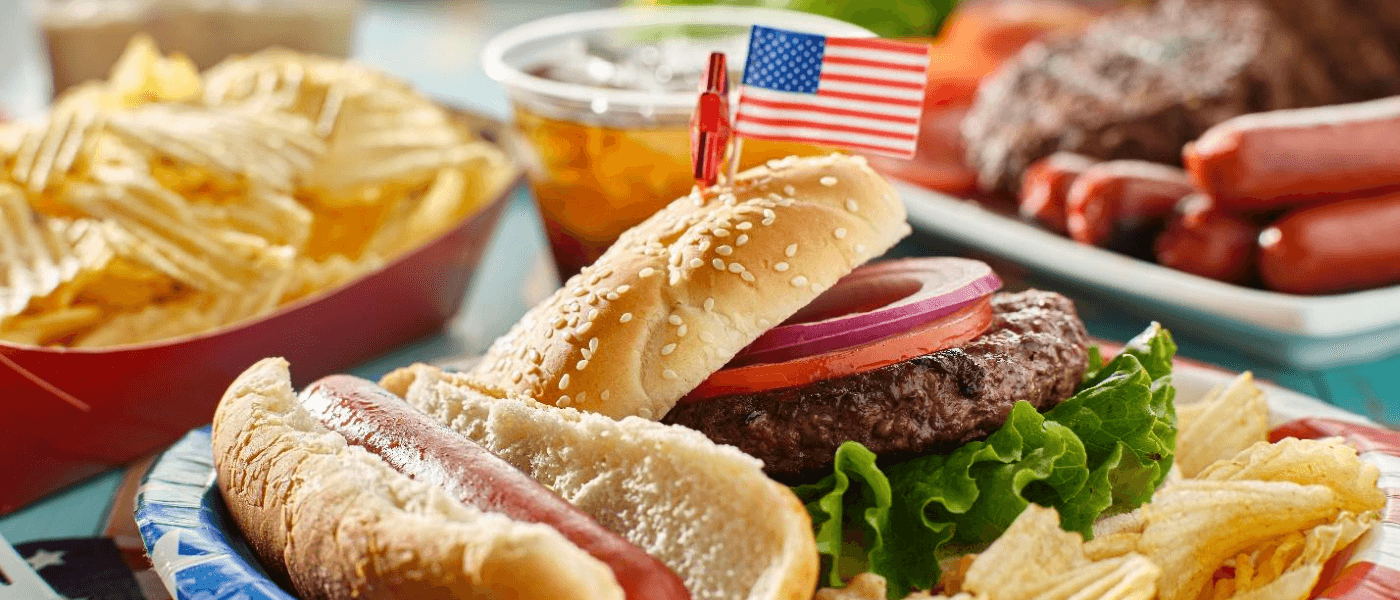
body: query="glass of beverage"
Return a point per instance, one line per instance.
(604, 99)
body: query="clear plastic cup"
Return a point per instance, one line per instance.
(608, 136)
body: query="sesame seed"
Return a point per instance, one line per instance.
(774, 195)
(587, 354)
(789, 190)
(582, 329)
(728, 200)
(583, 364)
(535, 356)
(593, 345)
(622, 289)
(840, 233)
(696, 263)
(625, 317)
(790, 251)
(563, 402)
(735, 267)
(592, 314)
(860, 248)
(580, 292)
(564, 382)
(764, 322)
(780, 267)
(719, 264)
(747, 276)
(681, 331)
(646, 272)
(581, 396)
(674, 320)
(612, 296)
(724, 250)
(593, 279)
(606, 394)
(515, 377)
(744, 226)
(645, 412)
(828, 181)
(667, 349)
(704, 245)
(799, 281)
(668, 374)
(769, 214)
(675, 277)
(851, 205)
(721, 232)
(767, 222)
(774, 163)
(742, 239)
(709, 304)
(561, 323)
(707, 337)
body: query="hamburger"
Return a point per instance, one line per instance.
(745, 313)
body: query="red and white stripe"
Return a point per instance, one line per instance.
(869, 98)
(1372, 572)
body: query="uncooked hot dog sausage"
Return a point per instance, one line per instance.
(1339, 247)
(1045, 186)
(1122, 195)
(1292, 157)
(368, 416)
(1209, 242)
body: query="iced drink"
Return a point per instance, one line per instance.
(603, 100)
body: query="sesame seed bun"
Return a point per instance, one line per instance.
(683, 292)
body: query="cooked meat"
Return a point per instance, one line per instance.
(1361, 58)
(1034, 350)
(1386, 14)
(1139, 84)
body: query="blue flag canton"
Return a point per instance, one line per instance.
(786, 61)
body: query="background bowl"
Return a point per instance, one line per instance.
(137, 399)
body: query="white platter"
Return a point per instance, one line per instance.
(1304, 331)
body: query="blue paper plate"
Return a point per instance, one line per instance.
(189, 536)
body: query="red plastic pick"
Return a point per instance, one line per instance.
(710, 130)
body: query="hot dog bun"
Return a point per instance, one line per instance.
(706, 511)
(337, 522)
(679, 295)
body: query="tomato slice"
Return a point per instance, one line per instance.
(948, 332)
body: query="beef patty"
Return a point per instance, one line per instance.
(1034, 350)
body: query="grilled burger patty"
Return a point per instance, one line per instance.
(1034, 350)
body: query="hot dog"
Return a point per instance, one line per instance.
(1332, 248)
(1206, 241)
(1122, 196)
(417, 446)
(1292, 157)
(1045, 186)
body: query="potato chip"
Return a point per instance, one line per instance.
(161, 203)
(47, 327)
(1220, 426)
(1325, 462)
(1128, 577)
(1195, 526)
(1035, 547)
(141, 75)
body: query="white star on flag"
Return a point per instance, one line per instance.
(44, 558)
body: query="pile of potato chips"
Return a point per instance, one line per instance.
(163, 203)
(1244, 519)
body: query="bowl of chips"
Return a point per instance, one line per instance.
(165, 228)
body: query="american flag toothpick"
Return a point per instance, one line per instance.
(863, 94)
(710, 129)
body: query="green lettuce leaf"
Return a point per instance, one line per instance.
(1104, 450)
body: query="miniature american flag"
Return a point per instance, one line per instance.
(859, 93)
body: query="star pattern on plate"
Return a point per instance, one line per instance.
(45, 558)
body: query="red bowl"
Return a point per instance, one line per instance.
(133, 400)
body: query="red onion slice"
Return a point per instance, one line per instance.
(872, 303)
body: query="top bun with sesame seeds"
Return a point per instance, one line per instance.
(683, 292)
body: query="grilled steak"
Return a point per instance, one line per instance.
(1140, 84)
(1034, 350)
